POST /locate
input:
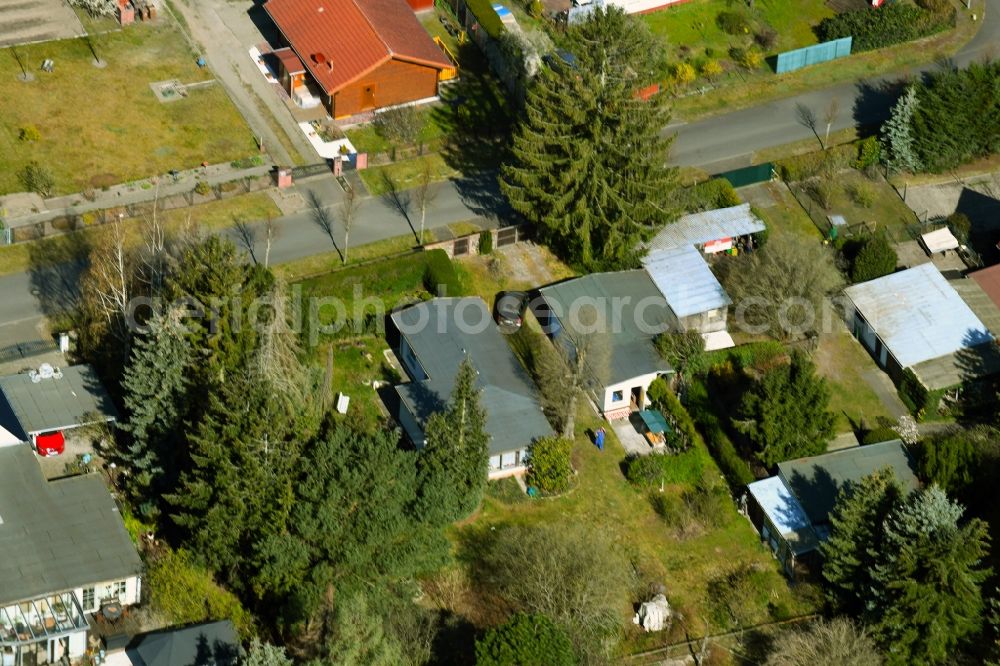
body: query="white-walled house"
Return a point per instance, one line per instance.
(631, 312)
(64, 553)
(434, 338)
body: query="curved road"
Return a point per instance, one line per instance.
(728, 141)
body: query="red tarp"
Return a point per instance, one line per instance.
(50, 444)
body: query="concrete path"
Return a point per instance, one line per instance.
(886, 391)
(29, 21)
(227, 56)
(125, 194)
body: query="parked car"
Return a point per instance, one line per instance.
(509, 309)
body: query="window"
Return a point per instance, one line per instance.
(119, 589)
(617, 396)
(87, 602)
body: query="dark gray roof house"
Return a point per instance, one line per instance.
(57, 535)
(435, 337)
(53, 399)
(792, 510)
(206, 644)
(631, 312)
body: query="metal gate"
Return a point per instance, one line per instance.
(506, 236)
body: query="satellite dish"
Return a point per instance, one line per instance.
(46, 371)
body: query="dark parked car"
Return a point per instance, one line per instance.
(509, 309)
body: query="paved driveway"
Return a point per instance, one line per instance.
(27, 21)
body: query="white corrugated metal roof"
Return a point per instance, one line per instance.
(683, 277)
(700, 228)
(940, 240)
(785, 513)
(918, 315)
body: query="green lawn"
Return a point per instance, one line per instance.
(841, 359)
(603, 501)
(101, 126)
(693, 25)
(407, 174)
(786, 216)
(887, 212)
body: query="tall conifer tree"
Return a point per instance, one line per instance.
(589, 160)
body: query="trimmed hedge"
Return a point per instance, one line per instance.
(440, 277)
(890, 24)
(879, 435)
(486, 16)
(716, 193)
(733, 467)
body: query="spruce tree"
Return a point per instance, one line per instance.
(238, 488)
(786, 412)
(930, 579)
(455, 460)
(855, 545)
(588, 162)
(897, 135)
(154, 387)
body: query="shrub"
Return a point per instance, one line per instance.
(766, 37)
(733, 23)
(549, 468)
(38, 179)
(665, 400)
(940, 7)
(739, 597)
(651, 470)
(536, 8)
(960, 225)
(916, 397)
(821, 191)
(710, 69)
(29, 134)
(879, 435)
(875, 259)
(202, 188)
(751, 59)
(893, 23)
(440, 277)
(696, 509)
(863, 194)
(869, 153)
(185, 593)
(400, 125)
(248, 162)
(683, 74)
(528, 640)
(716, 193)
(485, 242)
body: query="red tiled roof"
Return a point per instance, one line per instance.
(341, 40)
(989, 280)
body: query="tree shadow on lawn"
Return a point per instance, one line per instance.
(55, 266)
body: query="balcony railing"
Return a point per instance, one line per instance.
(40, 619)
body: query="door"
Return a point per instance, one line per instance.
(368, 96)
(637, 401)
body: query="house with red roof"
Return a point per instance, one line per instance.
(361, 55)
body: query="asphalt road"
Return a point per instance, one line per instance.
(727, 141)
(717, 143)
(25, 298)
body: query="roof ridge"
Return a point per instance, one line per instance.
(371, 26)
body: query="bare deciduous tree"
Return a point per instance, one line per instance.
(269, 233)
(247, 236)
(835, 641)
(829, 116)
(424, 195)
(348, 211)
(807, 118)
(110, 278)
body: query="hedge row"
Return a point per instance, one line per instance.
(733, 467)
(916, 397)
(440, 277)
(890, 24)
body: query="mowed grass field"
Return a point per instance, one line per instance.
(101, 126)
(693, 24)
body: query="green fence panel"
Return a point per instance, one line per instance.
(789, 61)
(750, 175)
